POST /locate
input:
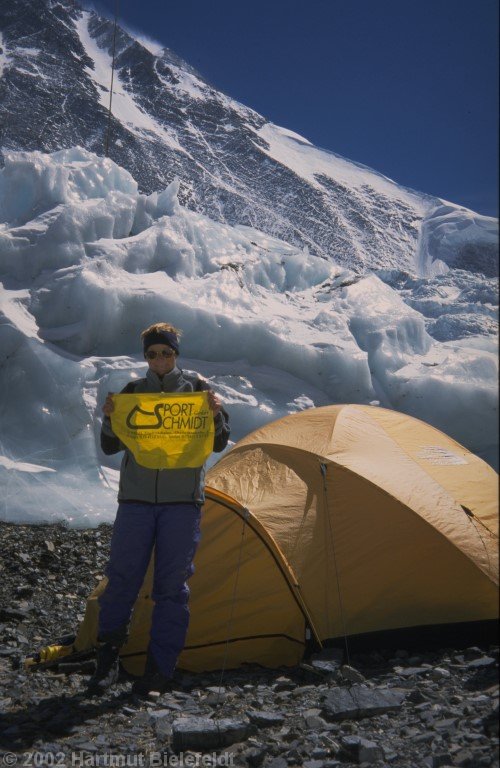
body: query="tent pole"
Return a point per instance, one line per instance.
(323, 469)
(233, 601)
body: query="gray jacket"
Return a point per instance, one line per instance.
(160, 486)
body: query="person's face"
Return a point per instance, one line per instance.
(164, 360)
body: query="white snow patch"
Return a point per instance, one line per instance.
(124, 107)
(4, 59)
(188, 83)
(22, 466)
(307, 161)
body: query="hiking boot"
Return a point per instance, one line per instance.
(107, 668)
(152, 680)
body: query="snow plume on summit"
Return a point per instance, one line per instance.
(86, 262)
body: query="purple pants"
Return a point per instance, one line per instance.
(174, 531)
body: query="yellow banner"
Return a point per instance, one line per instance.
(165, 430)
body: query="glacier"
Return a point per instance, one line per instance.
(87, 261)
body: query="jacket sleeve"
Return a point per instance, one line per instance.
(110, 443)
(221, 422)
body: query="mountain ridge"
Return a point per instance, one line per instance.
(168, 121)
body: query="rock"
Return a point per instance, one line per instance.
(361, 701)
(13, 613)
(440, 673)
(199, 733)
(416, 696)
(351, 675)
(490, 723)
(215, 689)
(284, 684)
(439, 760)
(315, 723)
(216, 695)
(410, 671)
(389, 754)
(485, 661)
(265, 719)
(325, 666)
(254, 756)
(473, 653)
(329, 654)
(278, 762)
(361, 750)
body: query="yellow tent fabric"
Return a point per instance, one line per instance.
(345, 519)
(167, 430)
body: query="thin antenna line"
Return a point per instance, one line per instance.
(108, 132)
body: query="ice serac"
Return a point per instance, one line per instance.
(87, 261)
(233, 165)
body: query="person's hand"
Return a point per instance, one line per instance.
(109, 405)
(213, 402)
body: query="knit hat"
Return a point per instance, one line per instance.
(161, 337)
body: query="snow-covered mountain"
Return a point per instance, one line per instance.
(371, 293)
(233, 164)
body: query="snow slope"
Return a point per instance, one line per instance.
(234, 166)
(86, 262)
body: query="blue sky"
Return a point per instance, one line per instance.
(407, 87)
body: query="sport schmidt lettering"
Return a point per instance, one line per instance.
(165, 433)
(193, 422)
(168, 416)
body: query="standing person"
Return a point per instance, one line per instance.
(160, 509)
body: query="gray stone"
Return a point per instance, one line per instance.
(473, 653)
(315, 723)
(255, 755)
(325, 666)
(361, 750)
(283, 684)
(218, 690)
(265, 719)
(389, 754)
(486, 661)
(329, 654)
(424, 738)
(141, 718)
(440, 673)
(361, 701)
(410, 671)
(216, 696)
(278, 762)
(445, 724)
(440, 760)
(351, 675)
(199, 733)
(490, 723)
(159, 714)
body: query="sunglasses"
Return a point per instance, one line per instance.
(152, 355)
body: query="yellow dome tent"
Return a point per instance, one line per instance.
(336, 521)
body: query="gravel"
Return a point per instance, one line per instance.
(422, 709)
